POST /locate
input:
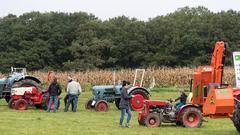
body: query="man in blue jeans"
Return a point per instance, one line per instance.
(73, 91)
(124, 104)
(54, 91)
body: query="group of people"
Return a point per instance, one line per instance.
(73, 91)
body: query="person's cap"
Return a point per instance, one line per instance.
(69, 78)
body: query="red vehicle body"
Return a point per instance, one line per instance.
(209, 97)
(30, 95)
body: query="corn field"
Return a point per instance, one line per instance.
(163, 77)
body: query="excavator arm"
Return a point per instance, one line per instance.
(217, 62)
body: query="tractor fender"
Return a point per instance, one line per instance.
(183, 108)
(130, 90)
(236, 93)
(29, 77)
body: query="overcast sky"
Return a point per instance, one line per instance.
(104, 9)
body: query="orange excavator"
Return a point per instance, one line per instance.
(210, 97)
(217, 100)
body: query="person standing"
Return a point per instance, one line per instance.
(124, 104)
(54, 91)
(73, 91)
(67, 96)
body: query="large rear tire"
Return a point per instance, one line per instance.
(141, 122)
(236, 116)
(45, 102)
(137, 102)
(7, 98)
(117, 102)
(21, 104)
(88, 104)
(11, 104)
(192, 117)
(152, 120)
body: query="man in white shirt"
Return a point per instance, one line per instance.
(73, 90)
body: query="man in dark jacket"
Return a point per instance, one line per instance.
(124, 104)
(54, 91)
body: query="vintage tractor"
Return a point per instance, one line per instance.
(25, 94)
(160, 111)
(209, 96)
(23, 97)
(17, 78)
(104, 94)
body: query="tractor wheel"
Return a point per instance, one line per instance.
(38, 106)
(45, 102)
(21, 104)
(117, 102)
(236, 116)
(7, 99)
(179, 123)
(192, 117)
(11, 104)
(152, 120)
(88, 104)
(141, 122)
(101, 106)
(137, 101)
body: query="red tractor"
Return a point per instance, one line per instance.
(23, 97)
(160, 111)
(29, 95)
(210, 98)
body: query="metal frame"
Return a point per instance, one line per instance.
(142, 76)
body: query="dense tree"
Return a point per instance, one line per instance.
(80, 41)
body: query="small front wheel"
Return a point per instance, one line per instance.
(21, 104)
(101, 106)
(152, 120)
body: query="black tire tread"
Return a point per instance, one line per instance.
(88, 104)
(117, 103)
(236, 116)
(10, 104)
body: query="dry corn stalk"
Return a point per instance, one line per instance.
(164, 77)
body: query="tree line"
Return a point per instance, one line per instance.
(81, 41)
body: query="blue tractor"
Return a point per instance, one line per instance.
(104, 94)
(17, 78)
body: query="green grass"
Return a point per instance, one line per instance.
(87, 122)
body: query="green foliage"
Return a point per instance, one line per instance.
(80, 41)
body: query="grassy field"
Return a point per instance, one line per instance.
(87, 122)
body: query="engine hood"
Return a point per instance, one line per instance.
(103, 87)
